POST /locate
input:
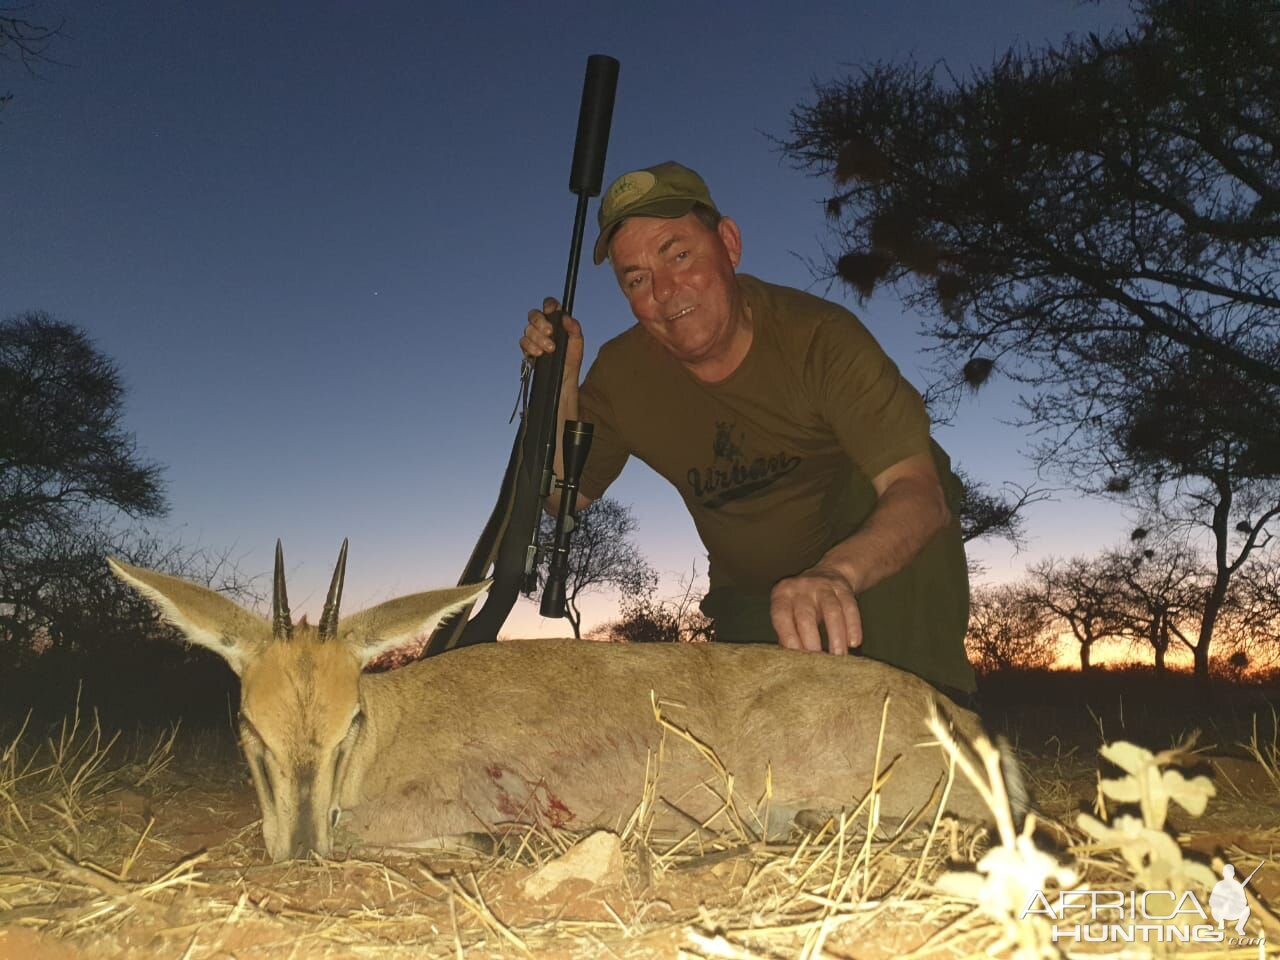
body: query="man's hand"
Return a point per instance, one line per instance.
(536, 342)
(819, 595)
(910, 509)
(537, 339)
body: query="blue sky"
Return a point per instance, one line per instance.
(309, 233)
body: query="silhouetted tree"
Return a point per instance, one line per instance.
(646, 618)
(61, 443)
(1160, 595)
(64, 457)
(987, 515)
(1198, 445)
(1008, 630)
(1252, 610)
(24, 41)
(1125, 186)
(82, 631)
(1082, 595)
(603, 556)
(1099, 220)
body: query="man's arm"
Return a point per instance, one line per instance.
(910, 510)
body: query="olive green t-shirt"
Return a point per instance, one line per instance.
(775, 464)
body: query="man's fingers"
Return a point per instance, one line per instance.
(537, 338)
(533, 344)
(801, 607)
(807, 627)
(784, 626)
(853, 623)
(795, 621)
(833, 618)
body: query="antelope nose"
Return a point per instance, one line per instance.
(303, 843)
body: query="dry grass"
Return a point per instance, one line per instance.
(1265, 749)
(100, 854)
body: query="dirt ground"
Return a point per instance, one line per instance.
(162, 856)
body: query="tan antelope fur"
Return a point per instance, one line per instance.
(549, 731)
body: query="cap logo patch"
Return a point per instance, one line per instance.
(626, 190)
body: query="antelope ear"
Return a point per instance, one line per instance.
(373, 632)
(205, 616)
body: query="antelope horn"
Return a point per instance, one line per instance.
(281, 624)
(329, 619)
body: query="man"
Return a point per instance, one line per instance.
(802, 454)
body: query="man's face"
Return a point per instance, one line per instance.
(678, 277)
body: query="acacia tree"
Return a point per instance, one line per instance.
(62, 446)
(984, 513)
(1160, 596)
(1080, 594)
(1198, 445)
(88, 638)
(24, 41)
(1252, 611)
(647, 618)
(64, 456)
(987, 514)
(1118, 186)
(1099, 221)
(603, 556)
(1008, 630)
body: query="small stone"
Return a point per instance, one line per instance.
(597, 859)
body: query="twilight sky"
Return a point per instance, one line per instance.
(309, 233)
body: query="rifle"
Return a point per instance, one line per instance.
(509, 541)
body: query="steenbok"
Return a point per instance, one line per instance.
(556, 732)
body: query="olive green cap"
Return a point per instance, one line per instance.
(668, 190)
